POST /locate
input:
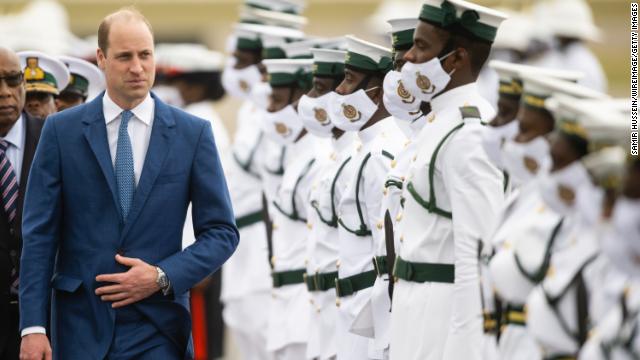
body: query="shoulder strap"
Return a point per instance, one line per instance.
(539, 275)
(280, 170)
(431, 206)
(363, 230)
(246, 166)
(294, 209)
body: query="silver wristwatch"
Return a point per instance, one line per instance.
(163, 281)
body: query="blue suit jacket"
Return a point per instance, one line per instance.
(72, 227)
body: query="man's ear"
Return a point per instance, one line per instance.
(100, 58)
(458, 60)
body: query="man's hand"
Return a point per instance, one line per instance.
(129, 287)
(35, 347)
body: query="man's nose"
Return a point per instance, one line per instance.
(136, 65)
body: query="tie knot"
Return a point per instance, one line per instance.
(4, 145)
(126, 115)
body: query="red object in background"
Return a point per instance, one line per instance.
(199, 324)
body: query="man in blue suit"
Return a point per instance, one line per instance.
(104, 212)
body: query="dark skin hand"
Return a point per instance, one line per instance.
(353, 79)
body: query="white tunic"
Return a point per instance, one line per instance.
(289, 308)
(322, 246)
(356, 252)
(438, 320)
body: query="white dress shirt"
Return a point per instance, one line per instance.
(139, 130)
(15, 151)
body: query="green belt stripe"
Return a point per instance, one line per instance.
(321, 281)
(249, 219)
(290, 277)
(424, 272)
(352, 284)
(380, 265)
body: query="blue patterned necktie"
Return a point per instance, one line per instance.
(125, 176)
(9, 202)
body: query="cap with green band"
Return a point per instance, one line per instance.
(328, 63)
(402, 33)
(480, 21)
(43, 73)
(86, 79)
(283, 6)
(289, 72)
(247, 38)
(366, 56)
(537, 89)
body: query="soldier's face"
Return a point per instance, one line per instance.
(68, 100)
(428, 42)
(533, 123)
(320, 87)
(39, 104)
(129, 64)
(353, 81)
(279, 98)
(631, 184)
(245, 59)
(507, 111)
(562, 152)
(12, 92)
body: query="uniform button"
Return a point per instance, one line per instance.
(393, 163)
(306, 262)
(415, 157)
(379, 225)
(274, 227)
(359, 147)
(399, 217)
(337, 302)
(401, 238)
(309, 225)
(273, 260)
(311, 301)
(385, 191)
(318, 310)
(407, 143)
(338, 264)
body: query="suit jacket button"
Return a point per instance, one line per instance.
(12, 232)
(120, 252)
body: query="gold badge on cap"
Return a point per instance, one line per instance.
(282, 129)
(33, 71)
(351, 113)
(321, 116)
(406, 97)
(424, 83)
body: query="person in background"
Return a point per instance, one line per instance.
(86, 81)
(45, 76)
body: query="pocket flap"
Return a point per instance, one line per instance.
(65, 283)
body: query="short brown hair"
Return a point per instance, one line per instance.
(125, 13)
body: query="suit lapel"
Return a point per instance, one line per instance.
(159, 146)
(33, 128)
(95, 132)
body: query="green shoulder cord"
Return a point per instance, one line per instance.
(537, 276)
(294, 209)
(280, 170)
(246, 166)
(333, 222)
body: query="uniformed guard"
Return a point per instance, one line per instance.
(357, 106)
(288, 310)
(563, 307)
(452, 193)
(86, 81)
(45, 77)
(325, 194)
(527, 229)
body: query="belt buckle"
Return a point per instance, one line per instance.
(376, 266)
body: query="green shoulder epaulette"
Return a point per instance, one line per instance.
(470, 112)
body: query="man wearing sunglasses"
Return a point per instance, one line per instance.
(19, 134)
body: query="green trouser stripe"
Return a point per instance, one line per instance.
(321, 281)
(290, 277)
(249, 219)
(351, 284)
(380, 265)
(424, 272)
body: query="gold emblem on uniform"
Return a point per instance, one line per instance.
(351, 113)
(531, 164)
(424, 83)
(406, 97)
(566, 194)
(244, 86)
(282, 129)
(321, 116)
(33, 71)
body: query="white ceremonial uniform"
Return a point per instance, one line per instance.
(276, 157)
(578, 57)
(521, 241)
(360, 210)
(433, 320)
(322, 246)
(568, 296)
(246, 280)
(289, 308)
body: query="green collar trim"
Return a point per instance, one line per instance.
(366, 63)
(445, 16)
(328, 69)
